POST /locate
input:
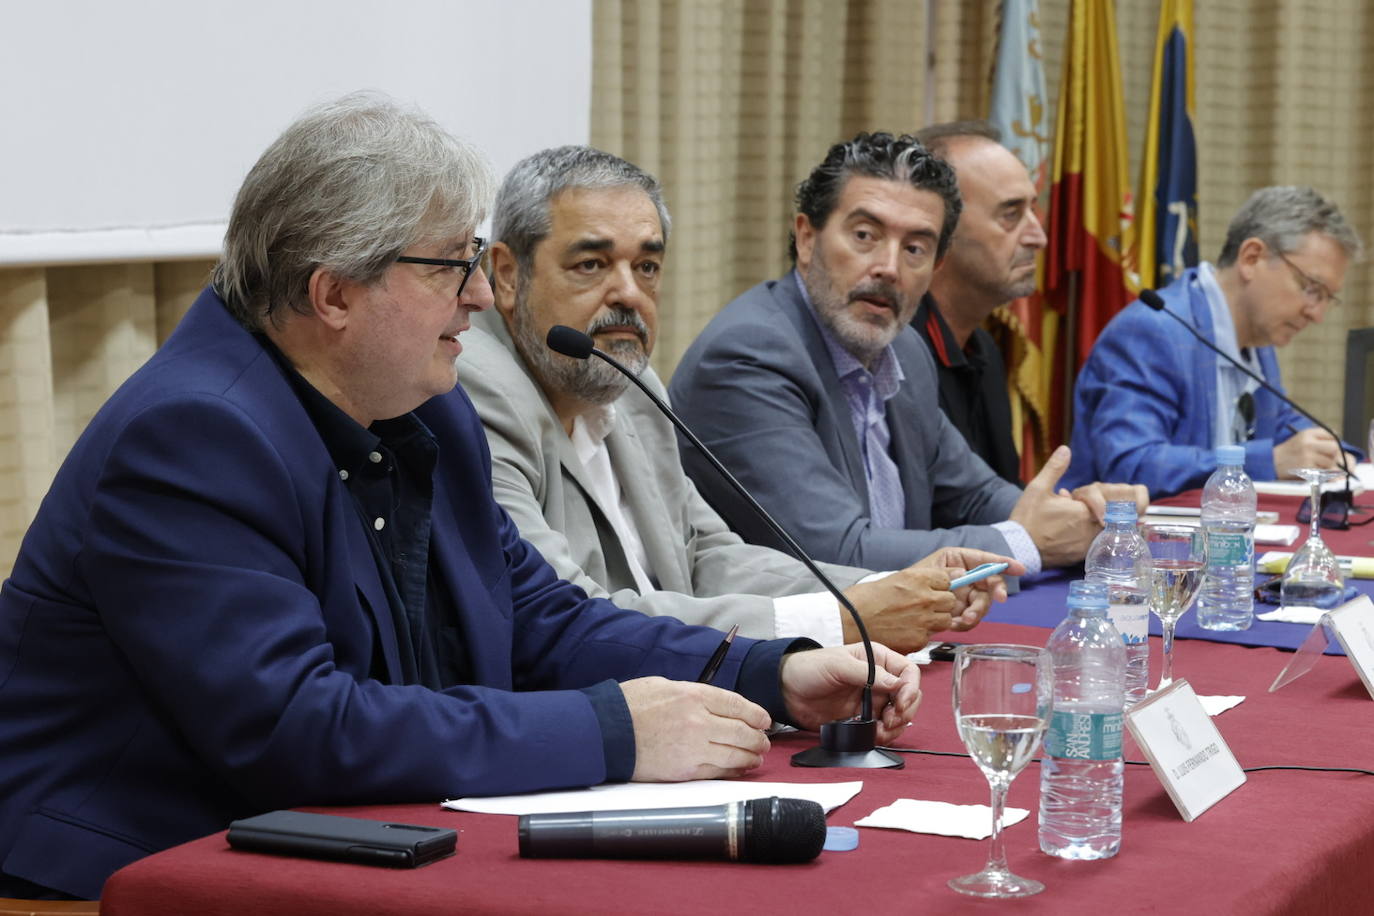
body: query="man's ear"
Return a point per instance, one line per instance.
(1251, 252)
(805, 235)
(330, 297)
(504, 276)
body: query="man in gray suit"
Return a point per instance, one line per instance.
(816, 392)
(589, 469)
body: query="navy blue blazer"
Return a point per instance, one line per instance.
(194, 619)
(759, 388)
(1144, 404)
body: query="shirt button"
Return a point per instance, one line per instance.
(375, 457)
(379, 523)
(343, 475)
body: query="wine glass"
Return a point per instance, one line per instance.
(1001, 703)
(1313, 577)
(1177, 555)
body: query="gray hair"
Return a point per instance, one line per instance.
(520, 217)
(878, 155)
(1282, 217)
(347, 187)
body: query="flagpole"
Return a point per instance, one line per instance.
(1070, 352)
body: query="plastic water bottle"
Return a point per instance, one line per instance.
(1080, 770)
(1226, 600)
(1119, 559)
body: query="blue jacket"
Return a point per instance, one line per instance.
(196, 630)
(1144, 404)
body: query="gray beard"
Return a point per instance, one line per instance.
(590, 380)
(864, 341)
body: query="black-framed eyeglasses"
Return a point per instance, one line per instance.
(1336, 511)
(466, 265)
(1313, 290)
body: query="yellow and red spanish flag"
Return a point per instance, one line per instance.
(1090, 204)
(1163, 239)
(1020, 110)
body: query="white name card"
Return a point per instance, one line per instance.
(1185, 749)
(1353, 625)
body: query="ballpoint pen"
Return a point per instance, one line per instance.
(717, 657)
(977, 573)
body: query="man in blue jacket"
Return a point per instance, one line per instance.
(1152, 404)
(259, 581)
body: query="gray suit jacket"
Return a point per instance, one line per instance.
(759, 388)
(706, 574)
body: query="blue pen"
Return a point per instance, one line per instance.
(977, 573)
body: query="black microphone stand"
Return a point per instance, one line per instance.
(844, 742)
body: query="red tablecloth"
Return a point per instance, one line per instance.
(1285, 842)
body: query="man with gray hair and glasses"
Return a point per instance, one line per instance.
(1152, 404)
(588, 467)
(259, 581)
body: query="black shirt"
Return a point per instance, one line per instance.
(388, 469)
(973, 389)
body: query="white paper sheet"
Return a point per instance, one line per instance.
(973, 822)
(624, 796)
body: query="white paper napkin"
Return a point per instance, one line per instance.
(920, 656)
(1215, 706)
(1276, 534)
(942, 818)
(1294, 613)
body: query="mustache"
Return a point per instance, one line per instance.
(877, 290)
(620, 318)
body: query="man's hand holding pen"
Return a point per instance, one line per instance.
(689, 730)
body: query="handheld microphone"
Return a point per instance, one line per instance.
(765, 830)
(1153, 300)
(845, 742)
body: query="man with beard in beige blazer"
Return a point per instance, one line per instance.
(589, 469)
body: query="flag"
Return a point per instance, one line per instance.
(1164, 236)
(1090, 204)
(1019, 110)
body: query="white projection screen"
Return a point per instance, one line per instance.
(128, 126)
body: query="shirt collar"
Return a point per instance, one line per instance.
(351, 446)
(1223, 325)
(886, 371)
(590, 429)
(947, 350)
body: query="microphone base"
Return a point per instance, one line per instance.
(848, 743)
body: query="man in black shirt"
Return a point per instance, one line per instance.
(991, 261)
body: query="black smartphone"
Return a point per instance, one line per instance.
(1268, 590)
(943, 651)
(344, 839)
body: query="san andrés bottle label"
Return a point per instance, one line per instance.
(1084, 736)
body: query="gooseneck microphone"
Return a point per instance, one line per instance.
(845, 742)
(1153, 300)
(764, 830)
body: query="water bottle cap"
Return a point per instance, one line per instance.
(1230, 455)
(1088, 595)
(1121, 510)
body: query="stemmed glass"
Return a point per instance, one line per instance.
(1177, 556)
(1002, 704)
(1313, 577)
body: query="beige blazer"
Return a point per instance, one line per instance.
(705, 573)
